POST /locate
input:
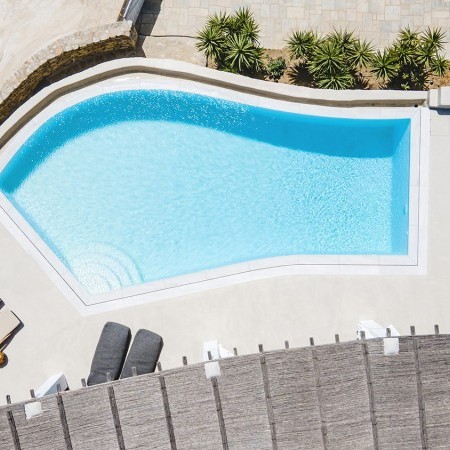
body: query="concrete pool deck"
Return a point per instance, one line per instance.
(57, 338)
(174, 75)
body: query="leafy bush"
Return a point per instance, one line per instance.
(232, 42)
(334, 61)
(410, 61)
(301, 44)
(338, 60)
(275, 68)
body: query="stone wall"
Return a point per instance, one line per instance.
(376, 20)
(65, 56)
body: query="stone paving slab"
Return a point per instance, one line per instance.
(171, 47)
(376, 20)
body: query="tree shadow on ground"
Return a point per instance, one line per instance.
(298, 74)
(361, 82)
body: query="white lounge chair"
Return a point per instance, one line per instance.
(8, 323)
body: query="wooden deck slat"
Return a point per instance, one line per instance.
(294, 399)
(345, 396)
(42, 432)
(193, 409)
(434, 358)
(89, 418)
(6, 438)
(243, 403)
(141, 413)
(395, 396)
(331, 396)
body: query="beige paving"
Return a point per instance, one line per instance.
(28, 26)
(171, 47)
(376, 20)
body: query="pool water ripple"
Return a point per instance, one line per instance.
(138, 186)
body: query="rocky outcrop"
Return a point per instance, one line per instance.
(65, 56)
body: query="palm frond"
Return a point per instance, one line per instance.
(434, 38)
(210, 41)
(384, 65)
(301, 44)
(361, 54)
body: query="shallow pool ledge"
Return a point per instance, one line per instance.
(212, 77)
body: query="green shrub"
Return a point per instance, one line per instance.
(301, 44)
(338, 60)
(385, 65)
(334, 61)
(410, 61)
(232, 42)
(275, 68)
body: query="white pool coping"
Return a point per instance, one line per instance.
(415, 263)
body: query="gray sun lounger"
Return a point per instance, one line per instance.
(110, 353)
(144, 353)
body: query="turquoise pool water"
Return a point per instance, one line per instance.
(137, 186)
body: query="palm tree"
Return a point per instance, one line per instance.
(219, 19)
(439, 65)
(301, 44)
(329, 67)
(361, 54)
(243, 22)
(327, 57)
(417, 55)
(342, 38)
(334, 60)
(241, 54)
(385, 65)
(337, 81)
(434, 37)
(210, 41)
(232, 42)
(409, 38)
(431, 42)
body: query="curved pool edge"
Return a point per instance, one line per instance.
(415, 263)
(328, 265)
(192, 72)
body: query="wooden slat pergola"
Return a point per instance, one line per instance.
(340, 396)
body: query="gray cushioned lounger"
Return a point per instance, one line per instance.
(144, 353)
(110, 353)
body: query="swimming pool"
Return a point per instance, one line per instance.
(136, 186)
